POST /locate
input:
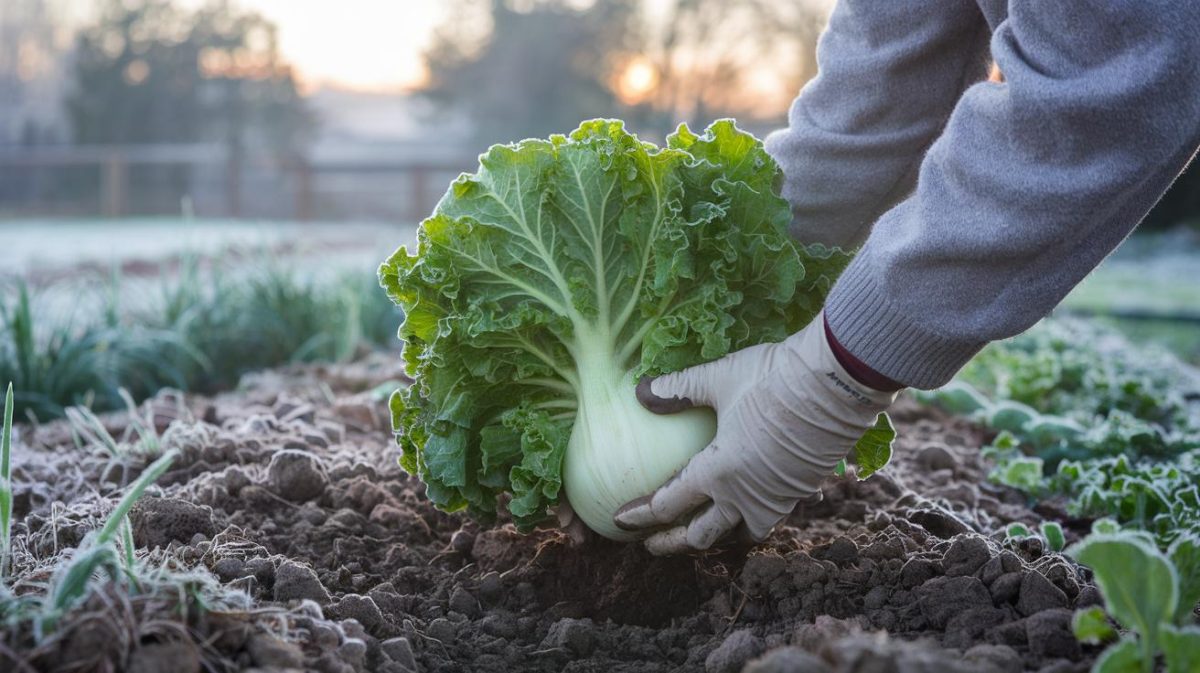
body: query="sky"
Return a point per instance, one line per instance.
(368, 45)
(372, 45)
(364, 45)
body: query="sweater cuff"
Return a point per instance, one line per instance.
(885, 338)
(857, 369)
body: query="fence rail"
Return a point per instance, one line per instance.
(216, 179)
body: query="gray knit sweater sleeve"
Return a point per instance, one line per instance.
(890, 73)
(1030, 184)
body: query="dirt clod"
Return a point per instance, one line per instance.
(1000, 658)
(325, 636)
(966, 555)
(442, 630)
(917, 571)
(574, 635)
(296, 581)
(400, 651)
(942, 598)
(1050, 636)
(159, 521)
(354, 652)
(738, 648)
(1038, 594)
(788, 659)
(229, 568)
(499, 624)
(1006, 587)
(297, 475)
(267, 650)
(175, 656)
(934, 457)
(463, 602)
(361, 609)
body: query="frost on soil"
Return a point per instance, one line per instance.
(287, 494)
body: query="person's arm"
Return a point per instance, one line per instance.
(1034, 181)
(889, 75)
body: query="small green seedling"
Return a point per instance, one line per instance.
(1150, 594)
(1051, 534)
(139, 441)
(98, 551)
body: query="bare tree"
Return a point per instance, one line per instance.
(529, 67)
(714, 57)
(150, 71)
(33, 57)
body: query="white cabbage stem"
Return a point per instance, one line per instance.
(619, 451)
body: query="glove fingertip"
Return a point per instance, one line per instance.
(634, 514)
(668, 542)
(660, 405)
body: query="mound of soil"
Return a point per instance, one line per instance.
(287, 494)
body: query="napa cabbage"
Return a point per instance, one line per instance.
(546, 283)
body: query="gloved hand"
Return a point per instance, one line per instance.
(786, 414)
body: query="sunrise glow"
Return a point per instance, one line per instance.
(637, 80)
(354, 44)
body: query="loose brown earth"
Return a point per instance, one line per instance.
(288, 491)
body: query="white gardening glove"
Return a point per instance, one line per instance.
(786, 414)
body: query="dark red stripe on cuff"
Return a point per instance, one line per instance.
(859, 370)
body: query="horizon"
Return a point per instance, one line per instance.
(383, 55)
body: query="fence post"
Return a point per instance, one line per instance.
(233, 181)
(114, 181)
(417, 209)
(304, 186)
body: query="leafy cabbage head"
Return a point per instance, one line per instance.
(562, 271)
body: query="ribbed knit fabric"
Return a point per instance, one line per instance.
(857, 369)
(982, 204)
(859, 315)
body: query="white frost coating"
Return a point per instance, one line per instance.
(619, 451)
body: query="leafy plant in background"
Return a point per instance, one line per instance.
(1049, 532)
(241, 322)
(1149, 593)
(71, 580)
(1159, 497)
(57, 365)
(203, 331)
(106, 557)
(138, 442)
(98, 551)
(545, 284)
(1080, 370)
(1083, 414)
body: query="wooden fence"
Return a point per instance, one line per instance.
(117, 181)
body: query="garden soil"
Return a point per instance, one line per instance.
(287, 496)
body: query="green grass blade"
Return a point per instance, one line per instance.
(6, 489)
(147, 477)
(71, 582)
(129, 558)
(91, 429)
